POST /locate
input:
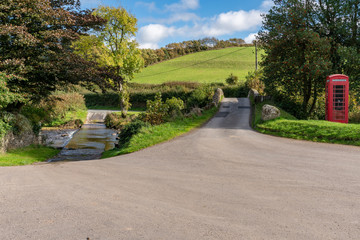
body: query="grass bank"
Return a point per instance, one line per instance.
(27, 155)
(149, 136)
(203, 67)
(69, 116)
(311, 130)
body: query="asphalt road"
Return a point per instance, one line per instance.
(223, 181)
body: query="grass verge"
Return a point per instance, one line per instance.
(149, 136)
(27, 155)
(311, 130)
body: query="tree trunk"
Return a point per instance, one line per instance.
(314, 101)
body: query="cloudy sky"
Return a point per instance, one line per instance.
(161, 22)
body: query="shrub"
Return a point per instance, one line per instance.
(61, 108)
(59, 104)
(232, 79)
(129, 131)
(291, 106)
(175, 106)
(156, 111)
(17, 123)
(236, 91)
(354, 117)
(117, 121)
(4, 128)
(201, 96)
(253, 81)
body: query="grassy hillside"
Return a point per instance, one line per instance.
(204, 67)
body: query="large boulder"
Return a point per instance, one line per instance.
(218, 96)
(253, 93)
(269, 112)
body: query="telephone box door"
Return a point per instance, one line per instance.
(337, 98)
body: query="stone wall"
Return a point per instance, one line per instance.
(11, 141)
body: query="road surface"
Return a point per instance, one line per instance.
(223, 181)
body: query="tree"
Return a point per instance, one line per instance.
(329, 21)
(296, 59)
(35, 38)
(8, 96)
(114, 47)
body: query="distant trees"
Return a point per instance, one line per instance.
(305, 40)
(174, 50)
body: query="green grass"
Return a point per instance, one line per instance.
(312, 130)
(152, 135)
(27, 155)
(205, 67)
(80, 114)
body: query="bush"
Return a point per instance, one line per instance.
(232, 80)
(175, 106)
(57, 105)
(253, 81)
(354, 117)
(201, 96)
(4, 128)
(117, 121)
(17, 123)
(129, 131)
(289, 105)
(237, 91)
(156, 111)
(58, 110)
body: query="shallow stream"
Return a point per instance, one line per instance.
(90, 141)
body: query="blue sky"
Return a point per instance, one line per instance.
(161, 22)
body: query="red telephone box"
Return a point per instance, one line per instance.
(337, 98)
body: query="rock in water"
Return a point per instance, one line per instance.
(218, 95)
(269, 112)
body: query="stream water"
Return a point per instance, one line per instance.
(90, 141)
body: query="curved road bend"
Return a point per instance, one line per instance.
(223, 181)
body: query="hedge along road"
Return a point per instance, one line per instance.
(223, 181)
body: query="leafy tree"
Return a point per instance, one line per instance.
(113, 47)
(350, 64)
(330, 21)
(8, 96)
(35, 37)
(296, 59)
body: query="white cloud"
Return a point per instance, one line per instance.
(250, 38)
(183, 5)
(230, 22)
(227, 23)
(267, 4)
(149, 45)
(149, 36)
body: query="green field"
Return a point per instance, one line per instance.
(205, 67)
